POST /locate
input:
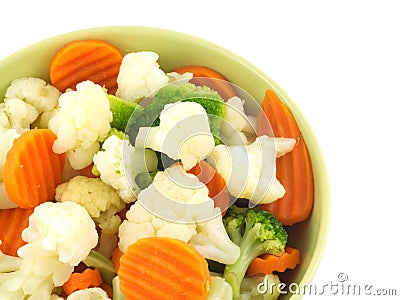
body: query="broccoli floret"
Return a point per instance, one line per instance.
(121, 111)
(209, 99)
(256, 232)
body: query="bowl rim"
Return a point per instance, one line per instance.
(324, 224)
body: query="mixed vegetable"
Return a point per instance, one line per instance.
(121, 181)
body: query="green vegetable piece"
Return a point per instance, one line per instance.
(143, 180)
(121, 111)
(256, 232)
(117, 294)
(209, 99)
(96, 260)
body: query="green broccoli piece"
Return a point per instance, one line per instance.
(256, 232)
(209, 99)
(143, 180)
(121, 111)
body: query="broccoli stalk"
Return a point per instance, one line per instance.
(256, 232)
(209, 99)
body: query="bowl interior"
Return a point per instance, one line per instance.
(175, 50)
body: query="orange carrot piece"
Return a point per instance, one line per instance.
(115, 258)
(222, 85)
(293, 170)
(163, 268)
(32, 170)
(268, 263)
(81, 60)
(12, 222)
(215, 183)
(80, 281)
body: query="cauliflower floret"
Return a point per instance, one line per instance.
(89, 294)
(184, 133)
(180, 78)
(139, 76)
(236, 124)
(6, 141)
(59, 237)
(64, 228)
(82, 121)
(248, 170)
(100, 200)
(219, 289)
(116, 157)
(20, 114)
(260, 287)
(179, 207)
(4, 120)
(140, 223)
(34, 91)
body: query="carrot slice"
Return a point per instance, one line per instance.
(268, 263)
(12, 222)
(32, 170)
(81, 60)
(163, 268)
(215, 183)
(222, 86)
(80, 281)
(293, 170)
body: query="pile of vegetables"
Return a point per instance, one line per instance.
(121, 181)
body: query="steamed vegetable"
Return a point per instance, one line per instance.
(81, 60)
(260, 287)
(249, 170)
(183, 133)
(163, 268)
(256, 232)
(48, 259)
(32, 170)
(268, 263)
(20, 115)
(100, 200)
(172, 93)
(35, 92)
(7, 138)
(117, 156)
(294, 170)
(139, 76)
(94, 293)
(12, 223)
(221, 84)
(82, 121)
(121, 111)
(89, 278)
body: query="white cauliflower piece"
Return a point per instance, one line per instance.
(219, 289)
(140, 223)
(169, 207)
(183, 133)
(6, 141)
(100, 200)
(4, 120)
(213, 242)
(89, 294)
(82, 121)
(20, 114)
(139, 76)
(118, 164)
(59, 237)
(64, 228)
(178, 207)
(34, 91)
(179, 78)
(249, 171)
(260, 287)
(236, 123)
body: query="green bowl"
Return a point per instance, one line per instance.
(175, 50)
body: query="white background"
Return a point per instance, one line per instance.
(338, 60)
